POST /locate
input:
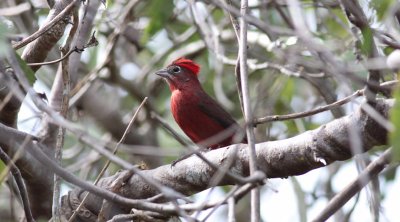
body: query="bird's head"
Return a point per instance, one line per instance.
(180, 74)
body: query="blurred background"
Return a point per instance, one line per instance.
(286, 75)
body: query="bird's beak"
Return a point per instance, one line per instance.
(163, 73)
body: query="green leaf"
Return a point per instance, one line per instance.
(30, 75)
(390, 174)
(108, 3)
(381, 7)
(3, 174)
(288, 90)
(333, 26)
(368, 38)
(395, 119)
(388, 50)
(159, 13)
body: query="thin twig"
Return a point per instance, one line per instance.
(283, 15)
(226, 198)
(103, 170)
(195, 151)
(20, 184)
(235, 193)
(248, 18)
(138, 215)
(234, 22)
(47, 27)
(170, 130)
(64, 56)
(5, 100)
(58, 119)
(271, 148)
(357, 17)
(83, 85)
(353, 188)
(248, 115)
(37, 152)
(231, 210)
(320, 109)
(218, 177)
(15, 10)
(236, 28)
(66, 84)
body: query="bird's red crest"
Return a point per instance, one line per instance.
(188, 64)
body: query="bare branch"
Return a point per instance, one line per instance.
(20, 183)
(128, 128)
(370, 173)
(385, 86)
(15, 10)
(64, 13)
(356, 16)
(248, 112)
(277, 159)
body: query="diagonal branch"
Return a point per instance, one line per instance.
(371, 172)
(277, 159)
(388, 86)
(357, 17)
(20, 183)
(66, 10)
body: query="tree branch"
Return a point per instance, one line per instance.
(60, 16)
(20, 183)
(370, 173)
(277, 159)
(387, 85)
(356, 16)
(293, 156)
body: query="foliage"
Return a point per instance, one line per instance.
(292, 69)
(395, 119)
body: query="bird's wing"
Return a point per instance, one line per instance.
(211, 108)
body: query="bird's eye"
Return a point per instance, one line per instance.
(176, 69)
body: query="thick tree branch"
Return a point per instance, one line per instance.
(277, 159)
(52, 21)
(294, 156)
(37, 51)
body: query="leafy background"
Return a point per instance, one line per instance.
(156, 32)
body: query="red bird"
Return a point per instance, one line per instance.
(203, 120)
